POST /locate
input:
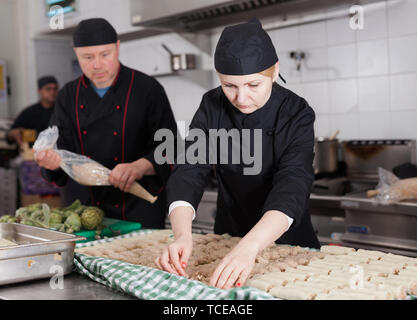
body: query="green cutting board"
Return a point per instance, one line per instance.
(114, 228)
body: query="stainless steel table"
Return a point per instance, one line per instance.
(75, 287)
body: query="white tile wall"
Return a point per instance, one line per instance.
(341, 61)
(403, 124)
(362, 82)
(339, 32)
(343, 96)
(315, 66)
(347, 123)
(374, 94)
(322, 126)
(318, 94)
(288, 68)
(375, 22)
(403, 53)
(147, 55)
(373, 58)
(402, 17)
(313, 35)
(403, 92)
(375, 125)
(54, 58)
(286, 39)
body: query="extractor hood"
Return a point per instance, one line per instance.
(197, 15)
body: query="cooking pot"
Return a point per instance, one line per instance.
(183, 61)
(325, 159)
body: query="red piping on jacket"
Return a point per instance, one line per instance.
(83, 81)
(123, 130)
(78, 126)
(117, 77)
(76, 115)
(123, 137)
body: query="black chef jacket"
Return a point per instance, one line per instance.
(118, 128)
(285, 180)
(34, 117)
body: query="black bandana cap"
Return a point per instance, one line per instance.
(244, 49)
(94, 32)
(43, 81)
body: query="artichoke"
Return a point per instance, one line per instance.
(74, 206)
(91, 218)
(56, 226)
(73, 222)
(34, 207)
(5, 218)
(22, 214)
(55, 218)
(27, 222)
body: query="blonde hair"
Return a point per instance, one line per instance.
(268, 72)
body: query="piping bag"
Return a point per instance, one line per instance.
(82, 169)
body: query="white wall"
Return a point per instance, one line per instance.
(32, 53)
(184, 92)
(10, 49)
(362, 82)
(54, 57)
(117, 12)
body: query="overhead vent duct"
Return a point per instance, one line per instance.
(197, 15)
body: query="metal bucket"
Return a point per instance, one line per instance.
(325, 159)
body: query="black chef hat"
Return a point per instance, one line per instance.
(243, 49)
(94, 32)
(46, 80)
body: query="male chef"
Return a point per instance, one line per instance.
(110, 114)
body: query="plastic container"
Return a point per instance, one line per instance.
(115, 228)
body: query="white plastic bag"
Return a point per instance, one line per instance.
(391, 189)
(80, 168)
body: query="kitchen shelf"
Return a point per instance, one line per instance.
(203, 77)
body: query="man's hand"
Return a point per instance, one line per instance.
(48, 159)
(15, 135)
(123, 175)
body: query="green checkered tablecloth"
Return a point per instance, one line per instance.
(150, 283)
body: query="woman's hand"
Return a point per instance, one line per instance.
(235, 267)
(175, 257)
(238, 264)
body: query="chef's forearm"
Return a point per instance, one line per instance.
(181, 221)
(271, 227)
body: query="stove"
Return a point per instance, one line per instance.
(343, 214)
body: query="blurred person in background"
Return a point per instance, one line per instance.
(38, 115)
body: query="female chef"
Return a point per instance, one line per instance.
(269, 206)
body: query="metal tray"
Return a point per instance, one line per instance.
(39, 253)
